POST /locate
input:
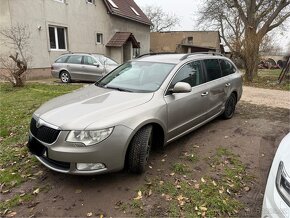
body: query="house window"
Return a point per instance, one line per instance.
(99, 38)
(57, 38)
(62, 1)
(91, 1)
(190, 40)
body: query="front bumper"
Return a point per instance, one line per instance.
(63, 156)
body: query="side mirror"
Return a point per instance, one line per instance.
(181, 87)
(96, 64)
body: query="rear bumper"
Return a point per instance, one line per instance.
(63, 156)
(55, 73)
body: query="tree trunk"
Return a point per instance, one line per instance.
(18, 78)
(251, 54)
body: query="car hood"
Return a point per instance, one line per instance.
(79, 109)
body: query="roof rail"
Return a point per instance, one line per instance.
(195, 53)
(155, 53)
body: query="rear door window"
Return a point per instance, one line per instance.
(89, 60)
(227, 67)
(213, 69)
(75, 59)
(190, 73)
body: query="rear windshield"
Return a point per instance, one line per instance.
(104, 60)
(62, 59)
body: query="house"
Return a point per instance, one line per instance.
(116, 28)
(186, 41)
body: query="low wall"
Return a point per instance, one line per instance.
(38, 73)
(32, 74)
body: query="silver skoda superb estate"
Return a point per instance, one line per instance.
(144, 103)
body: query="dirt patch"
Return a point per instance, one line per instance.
(253, 134)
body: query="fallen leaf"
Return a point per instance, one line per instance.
(101, 216)
(89, 214)
(150, 192)
(150, 167)
(196, 186)
(11, 214)
(214, 183)
(172, 174)
(139, 196)
(161, 182)
(195, 146)
(178, 187)
(78, 191)
(203, 208)
(203, 180)
(246, 188)
(163, 160)
(226, 137)
(36, 191)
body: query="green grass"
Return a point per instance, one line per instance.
(16, 200)
(17, 106)
(208, 196)
(268, 79)
(180, 168)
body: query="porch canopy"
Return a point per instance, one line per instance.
(120, 38)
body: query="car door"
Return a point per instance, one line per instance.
(92, 69)
(228, 70)
(217, 86)
(74, 66)
(187, 110)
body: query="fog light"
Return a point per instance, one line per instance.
(90, 166)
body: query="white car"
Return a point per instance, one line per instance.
(277, 194)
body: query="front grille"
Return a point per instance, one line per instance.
(44, 133)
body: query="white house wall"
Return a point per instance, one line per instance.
(82, 20)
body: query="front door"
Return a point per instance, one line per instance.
(186, 110)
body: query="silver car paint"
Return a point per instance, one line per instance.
(93, 108)
(82, 72)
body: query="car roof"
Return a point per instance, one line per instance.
(177, 58)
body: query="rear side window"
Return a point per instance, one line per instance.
(89, 60)
(75, 59)
(62, 59)
(227, 67)
(190, 73)
(213, 69)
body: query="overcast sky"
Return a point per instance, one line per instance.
(186, 10)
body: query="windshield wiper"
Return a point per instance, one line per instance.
(117, 88)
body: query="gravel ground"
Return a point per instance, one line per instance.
(269, 97)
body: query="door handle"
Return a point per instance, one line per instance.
(227, 84)
(204, 94)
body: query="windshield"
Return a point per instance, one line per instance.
(104, 60)
(137, 77)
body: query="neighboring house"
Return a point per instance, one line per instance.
(116, 28)
(186, 41)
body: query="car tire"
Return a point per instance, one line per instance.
(65, 77)
(230, 107)
(139, 150)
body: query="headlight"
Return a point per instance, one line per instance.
(283, 183)
(89, 137)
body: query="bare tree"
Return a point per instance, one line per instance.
(244, 24)
(14, 64)
(161, 20)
